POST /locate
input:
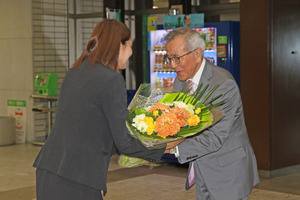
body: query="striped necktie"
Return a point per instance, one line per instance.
(191, 176)
(190, 84)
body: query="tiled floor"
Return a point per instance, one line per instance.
(164, 182)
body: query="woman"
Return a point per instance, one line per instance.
(90, 121)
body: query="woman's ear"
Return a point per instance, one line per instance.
(92, 44)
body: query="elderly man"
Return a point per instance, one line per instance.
(222, 162)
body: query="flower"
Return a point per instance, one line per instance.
(166, 119)
(198, 110)
(155, 113)
(150, 122)
(159, 106)
(193, 120)
(156, 117)
(144, 124)
(182, 114)
(166, 125)
(138, 118)
(188, 107)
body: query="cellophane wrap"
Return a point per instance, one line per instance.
(148, 95)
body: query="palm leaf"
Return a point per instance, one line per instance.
(199, 94)
(209, 93)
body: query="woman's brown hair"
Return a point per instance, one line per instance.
(104, 44)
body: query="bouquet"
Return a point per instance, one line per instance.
(157, 115)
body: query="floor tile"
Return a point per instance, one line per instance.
(165, 181)
(150, 187)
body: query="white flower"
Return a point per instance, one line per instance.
(142, 126)
(191, 108)
(188, 107)
(180, 104)
(139, 118)
(139, 123)
(168, 104)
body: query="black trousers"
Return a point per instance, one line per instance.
(50, 186)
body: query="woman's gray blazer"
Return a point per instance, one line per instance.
(89, 127)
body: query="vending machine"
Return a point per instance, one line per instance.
(160, 71)
(228, 46)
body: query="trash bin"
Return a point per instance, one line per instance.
(7, 130)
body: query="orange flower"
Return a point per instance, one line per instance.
(166, 125)
(182, 114)
(160, 106)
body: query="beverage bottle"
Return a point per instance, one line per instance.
(213, 38)
(161, 61)
(155, 62)
(165, 82)
(157, 83)
(207, 41)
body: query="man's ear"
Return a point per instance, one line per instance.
(199, 52)
(199, 55)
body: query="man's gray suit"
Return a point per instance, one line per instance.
(90, 127)
(222, 155)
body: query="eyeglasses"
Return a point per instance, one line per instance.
(176, 59)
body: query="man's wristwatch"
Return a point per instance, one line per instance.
(173, 150)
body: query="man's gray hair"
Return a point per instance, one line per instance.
(193, 40)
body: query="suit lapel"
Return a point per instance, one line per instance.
(206, 74)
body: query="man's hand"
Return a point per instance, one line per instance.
(170, 145)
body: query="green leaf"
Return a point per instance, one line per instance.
(130, 116)
(214, 105)
(138, 111)
(169, 97)
(212, 100)
(200, 94)
(177, 96)
(209, 93)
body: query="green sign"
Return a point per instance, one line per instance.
(222, 39)
(20, 103)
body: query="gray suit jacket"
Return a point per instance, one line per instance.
(89, 127)
(223, 152)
